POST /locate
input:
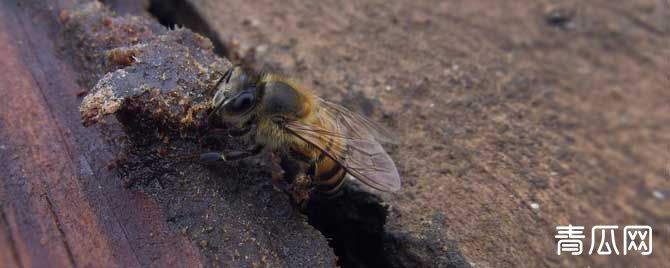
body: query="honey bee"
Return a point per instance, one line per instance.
(308, 135)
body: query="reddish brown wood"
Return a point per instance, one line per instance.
(63, 199)
(60, 205)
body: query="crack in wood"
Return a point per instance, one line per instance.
(57, 222)
(10, 237)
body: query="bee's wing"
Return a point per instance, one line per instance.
(357, 124)
(354, 149)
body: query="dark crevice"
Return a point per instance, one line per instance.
(180, 13)
(354, 224)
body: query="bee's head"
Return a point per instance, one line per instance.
(236, 96)
(243, 95)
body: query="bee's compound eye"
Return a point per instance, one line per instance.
(242, 103)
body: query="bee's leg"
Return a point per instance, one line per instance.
(278, 173)
(219, 133)
(301, 191)
(237, 132)
(213, 157)
(216, 132)
(249, 152)
(288, 175)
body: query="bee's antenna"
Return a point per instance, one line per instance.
(218, 82)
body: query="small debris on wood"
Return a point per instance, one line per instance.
(561, 18)
(165, 76)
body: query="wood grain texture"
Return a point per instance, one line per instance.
(514, 116)
(64, 203)
(61, 207)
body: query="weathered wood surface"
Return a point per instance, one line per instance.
(514, 116)
(61, 206)
(64, 201)
(511, 122)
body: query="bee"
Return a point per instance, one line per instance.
(310, 136)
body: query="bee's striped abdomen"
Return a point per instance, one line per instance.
(327, 174)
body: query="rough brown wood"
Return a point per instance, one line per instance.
(514, 116)
(60, 204)
(64, 201)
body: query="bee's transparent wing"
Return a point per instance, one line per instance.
(353, 148)
(357, 124)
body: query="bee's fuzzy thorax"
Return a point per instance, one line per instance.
(309, 102)
(275, 136)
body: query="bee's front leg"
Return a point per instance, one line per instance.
(288, 175)
(238, 132)
(278, 173)
(301, 191)
(214, 157)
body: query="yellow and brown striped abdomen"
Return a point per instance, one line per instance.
(327, 175)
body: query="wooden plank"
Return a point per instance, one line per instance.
(62, 204)
(513, 116)
(65, 202)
